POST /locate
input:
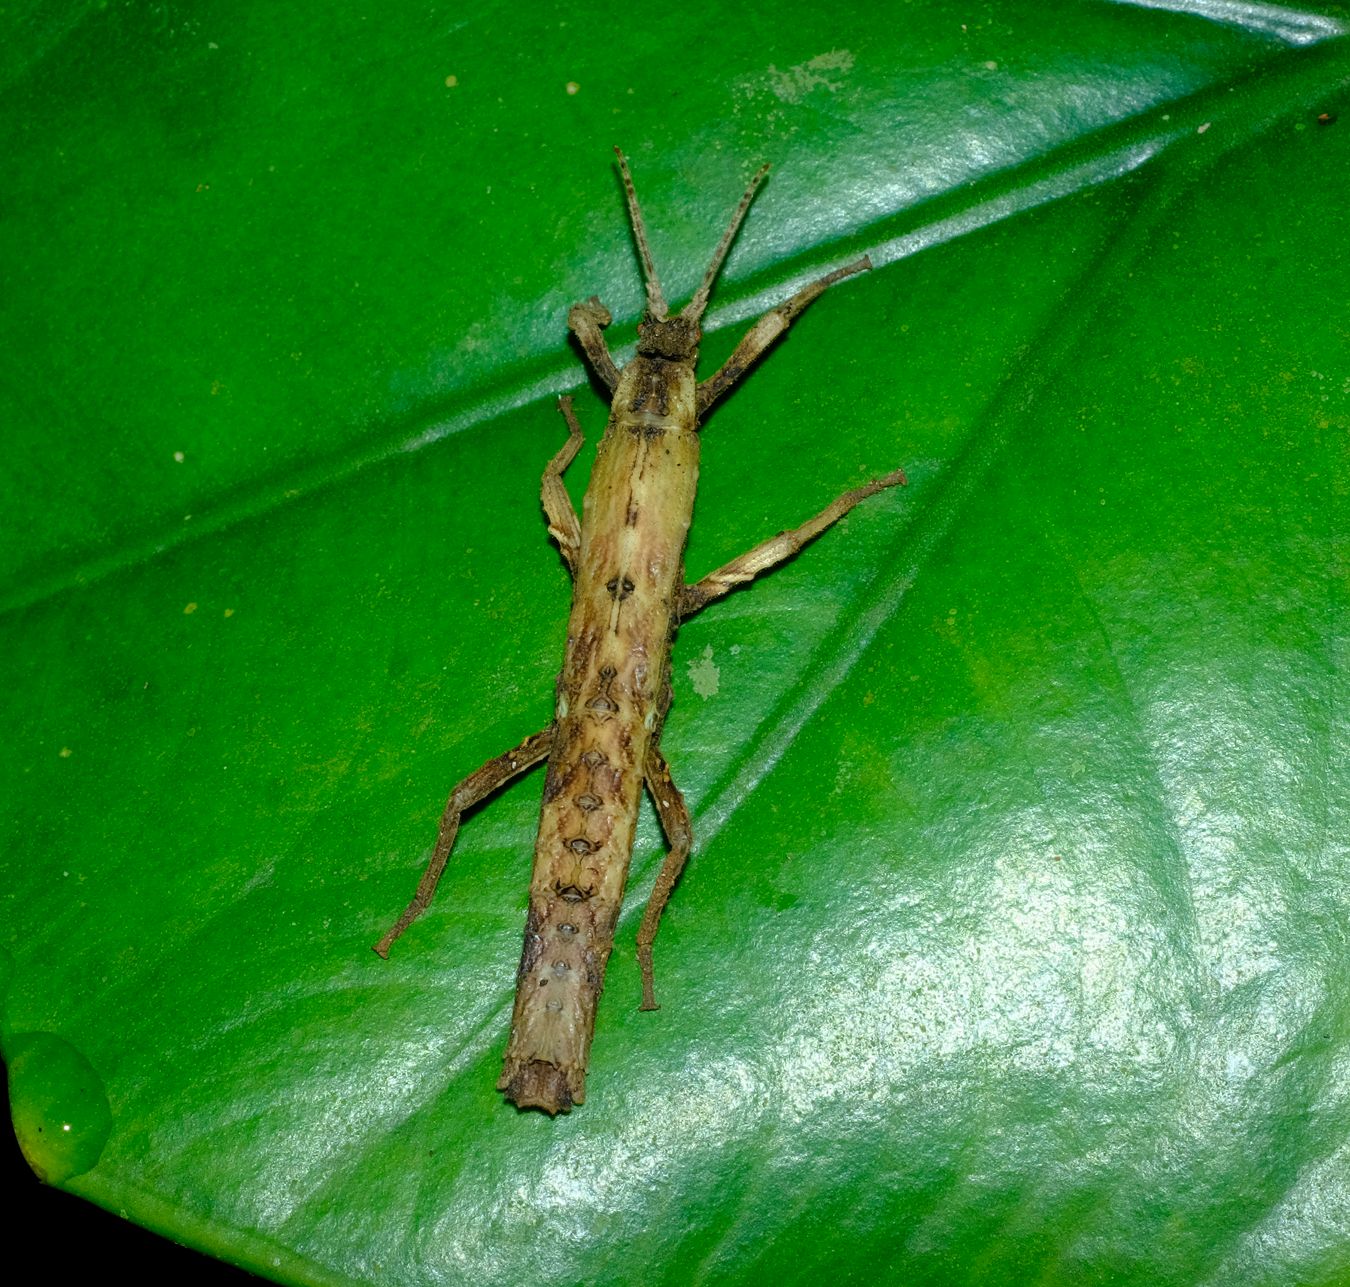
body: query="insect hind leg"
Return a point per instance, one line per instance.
(494, 775)
(674, 815)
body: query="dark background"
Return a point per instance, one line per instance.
(88, 1238)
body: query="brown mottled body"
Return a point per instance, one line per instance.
(626, 555)
(635, 519)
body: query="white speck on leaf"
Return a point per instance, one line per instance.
(824, 71)
(704, 675)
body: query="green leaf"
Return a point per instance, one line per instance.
(1013, 946)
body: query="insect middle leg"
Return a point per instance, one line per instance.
(674, 815)
(494, 775)
(783, 546)
(563, 524)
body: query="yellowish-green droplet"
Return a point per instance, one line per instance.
(60, 1109)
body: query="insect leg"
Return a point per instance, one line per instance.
(588, 321)
(563, 524)
(777, 548)
(766, 330)
(494, 775)
(674, 816)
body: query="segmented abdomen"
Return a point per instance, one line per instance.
(635, 521)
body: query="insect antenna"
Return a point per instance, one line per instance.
(656, 301)
(694, 309)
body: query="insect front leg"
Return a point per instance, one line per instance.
(777, 548)
(494, 775)
(765, 331)
(563, 524)
(674, 815)
(588, 321)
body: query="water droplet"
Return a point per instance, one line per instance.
(60, 1109)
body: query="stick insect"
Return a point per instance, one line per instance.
(626, 556)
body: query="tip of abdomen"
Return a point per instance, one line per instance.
(533, 1083)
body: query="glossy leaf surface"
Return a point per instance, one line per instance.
(1013, 948)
